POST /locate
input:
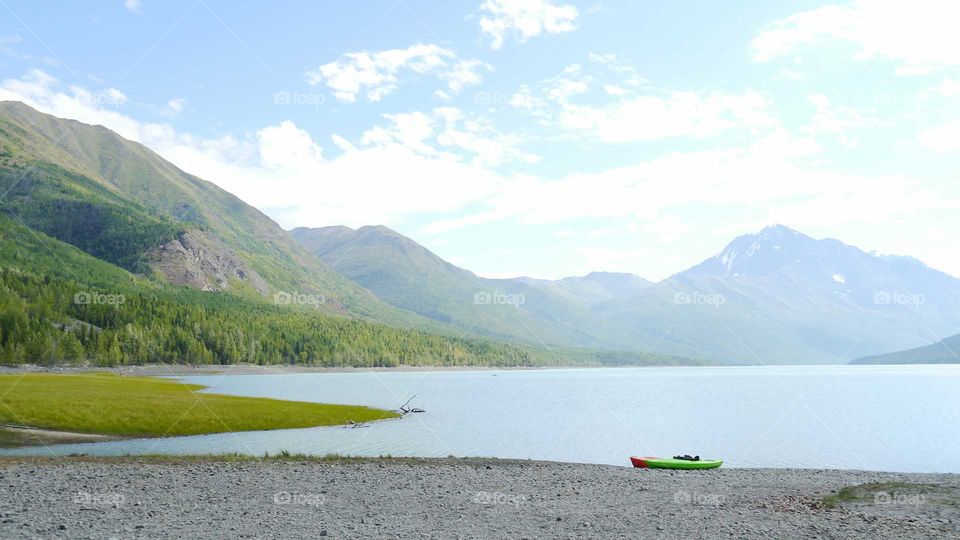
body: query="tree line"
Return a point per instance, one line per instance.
(52, 321)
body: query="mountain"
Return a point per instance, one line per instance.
(779, 296)
(593, 288)
(409, 276)
(111, 255)
(122, 203)
(91, 311)
(946, 351)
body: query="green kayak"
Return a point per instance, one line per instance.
(672, 463)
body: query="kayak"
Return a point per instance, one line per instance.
(671, 463)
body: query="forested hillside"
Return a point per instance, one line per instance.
(59, 305)
(120, 202)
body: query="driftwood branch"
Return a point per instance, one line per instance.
(405, 408)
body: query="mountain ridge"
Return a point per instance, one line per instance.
(410, 276)
(775, 294)
(88, 175)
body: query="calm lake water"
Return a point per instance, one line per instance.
(894, 418)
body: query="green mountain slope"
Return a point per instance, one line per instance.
(407, 275)
(110, 255)
(946, 351)
(60, 305)
(122, 203)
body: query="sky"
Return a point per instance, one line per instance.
(545, 138)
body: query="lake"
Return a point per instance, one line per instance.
(891, 418)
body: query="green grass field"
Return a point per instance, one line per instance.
(110, 404)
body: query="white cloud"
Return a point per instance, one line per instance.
(285, 146)
(176, 105)
(132, 5)
(914, 71)
(438, 165)
(614, 90)
(949, 88)
(451, 133)
(575, 79)
(629, 109)
(920, 34)
(524, 99)
(552, 92)
(668, 228)
(7, 46)
(791, 74)
(570, 83)
(464, 73)
(110, 96)
(629, 74)
(528, 18)
(673, 114)
(771, 174)
(834, 120)
(38, 89)
(376, 74)
(942, 138)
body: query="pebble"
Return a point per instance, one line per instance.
(438, 499)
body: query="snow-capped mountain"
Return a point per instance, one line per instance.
(758, 254)
(779, 253)
(781, 296)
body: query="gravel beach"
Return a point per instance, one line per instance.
(457, 498)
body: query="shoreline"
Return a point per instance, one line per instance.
(334, 459)
(186, 370)
(292, 496)
(16, 436)
(177, 370)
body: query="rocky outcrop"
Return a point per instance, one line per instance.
(199, 260)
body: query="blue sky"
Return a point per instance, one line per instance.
(532, 137)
